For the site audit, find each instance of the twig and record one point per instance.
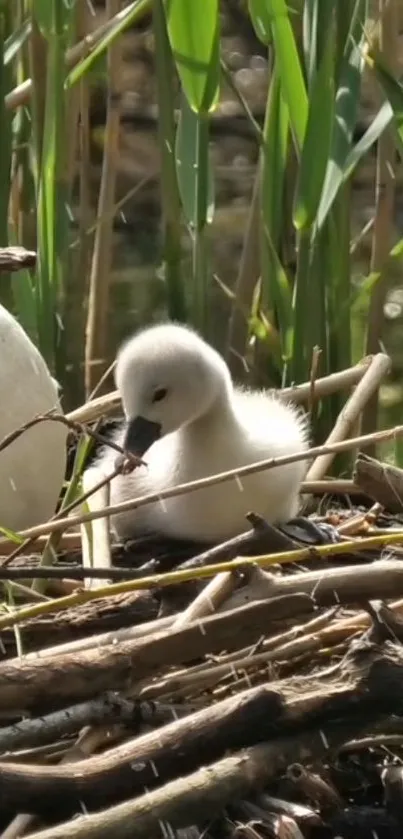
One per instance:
(204, 572)
(113, 637)
(109, 708)
(54, 416)
(210, 789)
(282, 648)
(380, 481)
(192, 486)
(59, 572)
(343, 380)
(379, 367)
(72, 541)
(355, 523)
(13, 259)
(213, 595)
(316, 353)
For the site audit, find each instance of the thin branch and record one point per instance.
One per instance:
(202, 483)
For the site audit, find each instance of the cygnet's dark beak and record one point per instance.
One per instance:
(141, 433)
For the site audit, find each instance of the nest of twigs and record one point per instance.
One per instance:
(251, 689)
(277, 707)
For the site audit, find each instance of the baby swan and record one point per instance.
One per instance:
(185, 416)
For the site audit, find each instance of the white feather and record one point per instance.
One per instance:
(32, 467)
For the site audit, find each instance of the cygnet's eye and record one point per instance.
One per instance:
(159, 394)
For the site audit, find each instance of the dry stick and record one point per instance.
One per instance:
(369, 384)
(175, 577)
(197, 737)
(341, 629)
(208, 790)
(182, 489)
(28, 733)
(213, 595)
(18, 826)
(151, 627)
(224, 680)
(74, 574)
(287, 645)
(54, 416)
(15, 258)
(102, 380)
(96, 487)
(79, 751)
(299, 394)
(50, 682)
(239, 721)
(354, 523)
(177, 687)
(380, 481)
(312, 379)
(72, 541)
(113, 637)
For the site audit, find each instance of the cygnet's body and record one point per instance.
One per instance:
(32, 467)
(176, 386)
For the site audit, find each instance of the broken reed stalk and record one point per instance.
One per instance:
(189, 574)
(379, 367)
(299, 394)
(72, 541)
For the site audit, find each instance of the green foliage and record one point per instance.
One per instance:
(52, 18)
(193, 30)
(316, 147)
(276, 286)
(5, 137)
(129, 16)
(307, 158)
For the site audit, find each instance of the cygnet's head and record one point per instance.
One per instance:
(167, 377)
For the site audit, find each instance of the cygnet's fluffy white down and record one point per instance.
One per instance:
(242, 428)
(32, 467)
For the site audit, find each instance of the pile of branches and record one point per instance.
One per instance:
(258, 705)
